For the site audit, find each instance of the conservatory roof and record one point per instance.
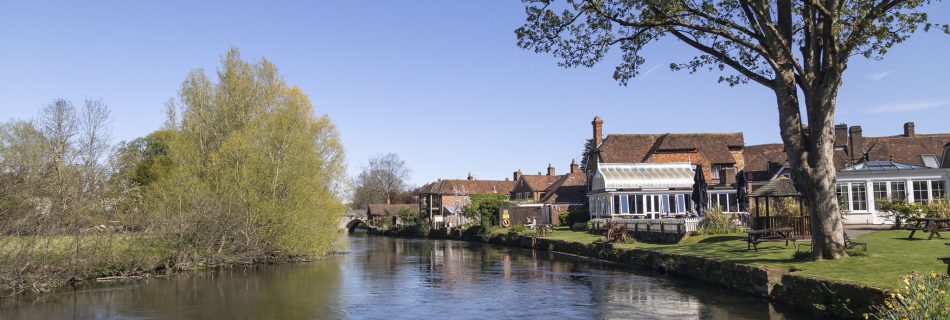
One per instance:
(643, 176)
(882, 166)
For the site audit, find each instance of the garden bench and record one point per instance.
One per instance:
(932, 225)
(946, 260)
(770, 235)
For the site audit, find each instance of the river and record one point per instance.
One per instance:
(394, 278)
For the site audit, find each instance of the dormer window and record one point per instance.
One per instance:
(929, 160)
(715, 171)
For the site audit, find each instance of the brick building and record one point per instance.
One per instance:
(442, 201)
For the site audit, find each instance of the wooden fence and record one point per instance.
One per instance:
(801, 227)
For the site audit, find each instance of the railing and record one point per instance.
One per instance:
(801, 227)
(683, 225)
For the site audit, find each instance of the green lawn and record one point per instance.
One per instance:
(891, 255)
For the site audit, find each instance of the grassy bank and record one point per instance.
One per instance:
(890, 255)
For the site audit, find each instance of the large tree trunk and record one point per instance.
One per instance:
(811, 158)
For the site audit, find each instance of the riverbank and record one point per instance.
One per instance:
(821, 297)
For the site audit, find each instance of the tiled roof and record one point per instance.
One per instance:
(570, 188)
(466, 187)
(390, 209)
(539, 182)
(634, 148)
(906, 149)
(777, 188)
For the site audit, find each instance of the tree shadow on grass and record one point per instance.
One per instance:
(721, 239)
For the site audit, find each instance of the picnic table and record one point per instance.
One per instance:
(770, 235)
(932, 225)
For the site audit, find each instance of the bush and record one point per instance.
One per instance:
(519, 229)
(716, 222)
(937, 209)
(580, 226)
(898, 210)
(920, 297)
(484, 208)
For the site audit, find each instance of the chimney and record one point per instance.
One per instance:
(909, 129)
(598, 124)
(857, 144)
(517, 175)
(841, 136)
(727, 176)
(550, 170)
(575, 168)
(470, 177)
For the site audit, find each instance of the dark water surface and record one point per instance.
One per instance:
(387, 278)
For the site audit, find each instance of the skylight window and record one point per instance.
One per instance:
(929, 160)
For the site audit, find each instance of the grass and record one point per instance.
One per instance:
(891, 255)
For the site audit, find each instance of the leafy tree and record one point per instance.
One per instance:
(793, 48)
(254, 169)
(484, 207)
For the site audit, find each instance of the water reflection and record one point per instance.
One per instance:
(386, 278)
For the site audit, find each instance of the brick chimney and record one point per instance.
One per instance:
(550, 170)
(575, 168)
(909, 129)
(841, 136)
(727, 176)
(517, 175)
(470, 177)
(598, 124)
(857, 144)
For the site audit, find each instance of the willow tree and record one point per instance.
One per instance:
(797, 49)
(254, 169)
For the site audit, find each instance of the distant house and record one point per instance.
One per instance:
(532, 188)
(388, 213)
(719, 155)
(910, 166)
(443, 201)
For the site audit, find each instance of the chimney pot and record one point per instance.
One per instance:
(470, 176)
(909, 129)
(575, 168)
(856, 149)
(841, 135)
(598, 124)
(517, 175)
(550, 170)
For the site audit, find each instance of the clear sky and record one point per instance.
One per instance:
(441, 83)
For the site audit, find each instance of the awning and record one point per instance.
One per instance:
(643, 176)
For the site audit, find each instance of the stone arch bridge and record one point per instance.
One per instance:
(352, 219)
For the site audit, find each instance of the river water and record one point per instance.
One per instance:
(393, 278)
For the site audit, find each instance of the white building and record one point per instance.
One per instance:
(646, 190)
(862, 185)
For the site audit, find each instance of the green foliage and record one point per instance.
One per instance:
(580, 226)
(484, 207)
(576, 215)
(519, 229)
(898, 210)
(409, 217)
(254, 170)
(716, 222)
(937, 209)
(921, 296)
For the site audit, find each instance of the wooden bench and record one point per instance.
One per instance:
(769, 235)
(946, 260)
(932, 225)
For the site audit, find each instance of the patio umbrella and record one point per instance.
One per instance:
(742, 192)
(700, 195)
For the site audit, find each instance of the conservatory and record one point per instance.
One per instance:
(861, 186)
(641, 190)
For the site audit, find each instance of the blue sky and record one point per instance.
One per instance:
(441, 83)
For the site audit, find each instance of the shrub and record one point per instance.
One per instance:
(716, 222)
(920, 297)
(484, 208)
(518, 228)
(898, 210)
(574, 216)
(580, 226)
(937, 209)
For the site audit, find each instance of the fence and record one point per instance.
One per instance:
(801, 226)
(684, 225)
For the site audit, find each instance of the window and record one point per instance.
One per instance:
(859, 197)
(938, 190)
(665, 204)
(921, 191)
(843, 196)
(724, 201)
(879, 190)
(898, 190)
(624, 204)
(617, 205)
(929, 160)
(681, 203)
(641, 206)
(715, 171)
